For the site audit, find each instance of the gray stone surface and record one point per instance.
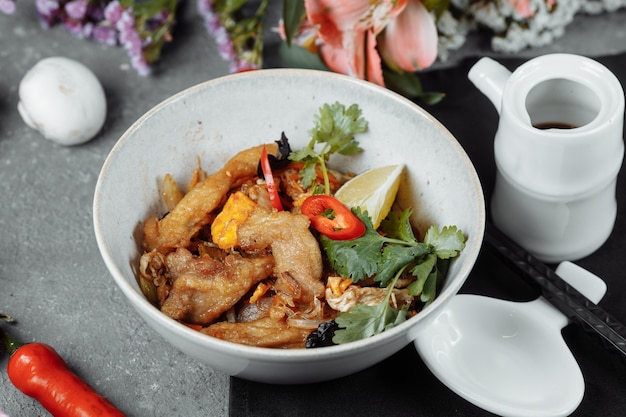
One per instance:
(52, 278)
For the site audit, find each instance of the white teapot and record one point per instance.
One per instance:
(558, 149)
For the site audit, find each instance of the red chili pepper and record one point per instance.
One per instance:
(38, 371)
(269, 181)
(332, 218)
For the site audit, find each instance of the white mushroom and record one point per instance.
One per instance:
(63, 100)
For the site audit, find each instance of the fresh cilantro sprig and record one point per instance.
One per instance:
(383, 254)
(364, 320)
(386, 256)
(333, 132)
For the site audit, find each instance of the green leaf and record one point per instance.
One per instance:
(296, 56)
(403, 82)
(396, 257)
(408, 84)
(228, 6)
(431, 270)
(425, 267)
(422, 271)
(429, 292)
(303, 154)
(363, 321)
(148, 9)
(293, 11)
(398, 227)
(430, 98)
(334, 130)
(447, 243)
(443, 265)
(357, 258)
(308, 173)
(336, 126)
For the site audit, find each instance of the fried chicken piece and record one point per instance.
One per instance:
(296, 252)
(193, 212)
(264, 332)
(202, 288)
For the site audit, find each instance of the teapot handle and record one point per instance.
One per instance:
(490, 77)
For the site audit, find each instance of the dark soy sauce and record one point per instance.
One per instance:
(554, 125)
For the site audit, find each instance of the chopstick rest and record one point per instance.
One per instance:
(559, 293)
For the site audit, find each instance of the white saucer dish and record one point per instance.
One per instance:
(509, 357)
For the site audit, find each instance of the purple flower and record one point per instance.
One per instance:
(79, 29)
(217, 30)
(227, 49)
(48, 11)
(224, 43)
(129, 37)
(211, 19)
(140, 64)
(113, 12)
(95, 12)
(105, 35)
(76, 9)
(7, 7)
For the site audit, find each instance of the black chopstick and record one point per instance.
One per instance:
(559, 293)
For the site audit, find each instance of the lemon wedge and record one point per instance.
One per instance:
(374, 190)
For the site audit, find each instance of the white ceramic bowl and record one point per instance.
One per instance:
(218, 118)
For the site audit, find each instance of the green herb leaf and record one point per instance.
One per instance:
(386, 258)
(431, 275)
(357, 258)
(429, 292)
(398, 227)
(363, 321)
(396, 257)
(447, 243)
(422, 271)
(336, 126)
(333, 132)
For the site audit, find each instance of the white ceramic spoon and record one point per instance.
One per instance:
(507, 357)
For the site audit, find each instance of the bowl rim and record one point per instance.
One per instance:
(144, 307)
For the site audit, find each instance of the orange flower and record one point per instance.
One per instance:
(358, 58)
(409, 41)
(349, 32)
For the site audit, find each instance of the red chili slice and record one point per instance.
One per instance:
(332, 218)
(269, 181)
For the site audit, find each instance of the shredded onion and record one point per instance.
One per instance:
(303, 323)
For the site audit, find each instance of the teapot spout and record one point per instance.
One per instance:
(490, 77)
